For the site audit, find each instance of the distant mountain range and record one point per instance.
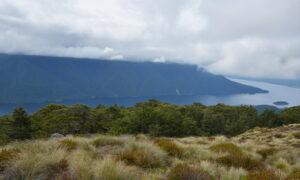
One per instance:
(33, 79)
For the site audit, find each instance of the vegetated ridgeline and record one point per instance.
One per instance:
(258, 154)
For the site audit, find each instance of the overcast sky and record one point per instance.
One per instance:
(252, 38)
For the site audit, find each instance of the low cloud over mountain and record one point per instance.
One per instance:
(254, 38)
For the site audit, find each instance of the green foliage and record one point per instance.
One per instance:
(154, 118)
(21, 124)
(240, 161)
(185, 172)
(269, 118)
(6, 129)
(76, 119)
(291, 115)
(171, 148)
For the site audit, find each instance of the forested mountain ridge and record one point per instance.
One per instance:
(29, 79)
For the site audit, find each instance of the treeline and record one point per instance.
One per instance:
(154, 118)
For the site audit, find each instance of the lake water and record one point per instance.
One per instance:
(276, 93)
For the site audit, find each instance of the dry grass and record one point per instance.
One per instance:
(256, 154)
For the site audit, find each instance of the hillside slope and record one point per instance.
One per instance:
(28, 79)
(259, 154)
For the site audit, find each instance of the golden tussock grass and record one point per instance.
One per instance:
(256, 154)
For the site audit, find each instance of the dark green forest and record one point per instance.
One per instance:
(153, 118)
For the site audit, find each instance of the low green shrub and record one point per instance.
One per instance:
(171, 148)
(226, 148)
(262, 175)
(185, 172)
(267, 152)
(240, 161)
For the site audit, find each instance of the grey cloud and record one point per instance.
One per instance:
(229, 37)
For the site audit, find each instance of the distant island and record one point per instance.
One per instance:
(281, 103)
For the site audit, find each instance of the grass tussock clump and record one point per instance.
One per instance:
(222, 172)
(185, 172)
(109, 169)
(240, 161)
(279, 135)
(171, 148)
(297, 135)
(6, 155)
(55, 169)
(294, 175)
(226, 148)
(145, 155)
(69, 144)
(267, 152)
(282, 165)
(107, 141)
(66, 175)
(262, 175)
(33, 166)
(81, 164)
